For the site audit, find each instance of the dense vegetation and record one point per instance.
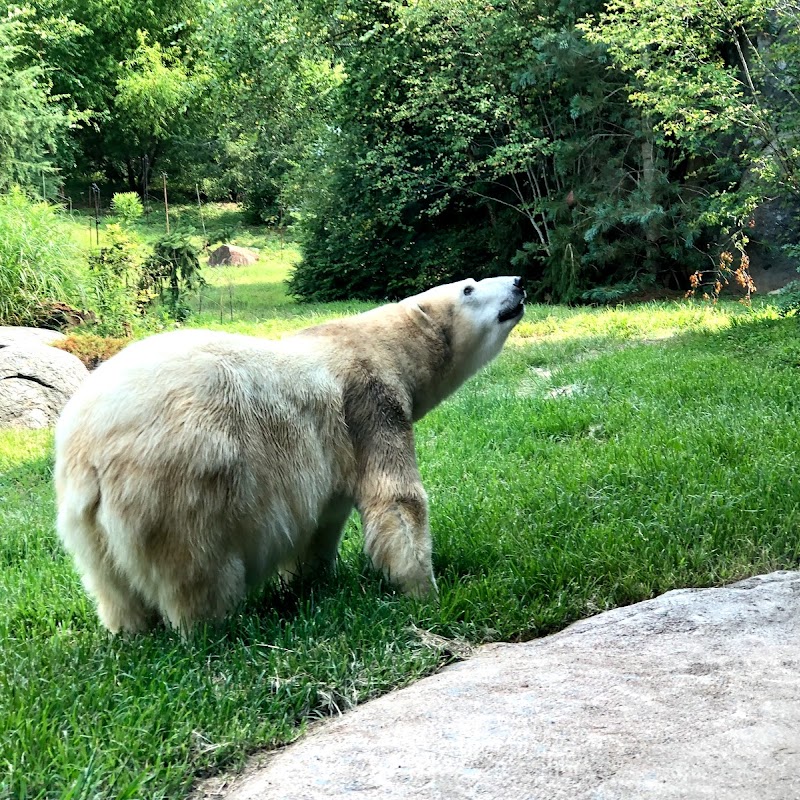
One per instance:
(597, 147)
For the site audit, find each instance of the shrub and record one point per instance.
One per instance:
(127, 206)
(91, 349)
(116, 270)
(788, 300)
(174, 267)
(39, 260)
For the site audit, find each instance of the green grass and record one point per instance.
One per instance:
(605, 457)
(252, 299)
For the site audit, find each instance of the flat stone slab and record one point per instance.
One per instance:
(695, 695)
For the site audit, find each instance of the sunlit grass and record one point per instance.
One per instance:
(253, 299)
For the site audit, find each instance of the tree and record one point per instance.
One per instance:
(468, 132)
(32, 124)
(89, 46)
(154, 92)
(606, 147)
(269, 91)
(717, 80)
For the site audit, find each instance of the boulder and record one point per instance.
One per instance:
(228, 254)
(13, 335)
(692, 696)
(35, 383)
(60, 316)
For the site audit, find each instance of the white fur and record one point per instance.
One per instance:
(194, 465)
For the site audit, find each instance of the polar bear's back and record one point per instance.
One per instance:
(189, 447)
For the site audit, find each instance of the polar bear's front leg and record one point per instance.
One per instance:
(388, 489)
(398, 540)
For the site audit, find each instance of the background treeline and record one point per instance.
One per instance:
(595, 147)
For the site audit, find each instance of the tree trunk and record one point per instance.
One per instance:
(131, 176)
(648, 184)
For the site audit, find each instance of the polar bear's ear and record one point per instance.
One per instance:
(420, 313)
(418, 310)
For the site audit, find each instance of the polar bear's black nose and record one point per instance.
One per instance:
(518, 283)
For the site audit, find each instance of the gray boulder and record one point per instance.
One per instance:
(228, 254)
(35, 383)
(693, 695)
(14, 335)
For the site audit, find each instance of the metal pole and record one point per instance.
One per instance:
(166, 204)
(200, 208)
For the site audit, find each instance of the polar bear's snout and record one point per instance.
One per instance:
(514, 306)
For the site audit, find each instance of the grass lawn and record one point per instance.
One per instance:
(605, 457)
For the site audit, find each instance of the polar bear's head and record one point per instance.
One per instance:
(474, 317)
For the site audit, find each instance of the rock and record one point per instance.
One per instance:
(59, 316)
(12, 335)
(228, 254)
(695, 694)
(35, 383)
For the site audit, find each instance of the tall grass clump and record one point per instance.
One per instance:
(39, 260)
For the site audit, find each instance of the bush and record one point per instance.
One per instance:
(92, 350)
(116, 269)
(39, 260)
(788, 300)
(174, 267)
(127, 206)
(351, 251)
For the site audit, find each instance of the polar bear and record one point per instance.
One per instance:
(194, 465)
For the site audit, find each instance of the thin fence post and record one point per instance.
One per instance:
(95, 192)
(166, 203)
(200, 209)
(146, 183)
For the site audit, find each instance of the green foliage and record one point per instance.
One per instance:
(153, 94)
(587, 149)
(586, 145)
(112, 62)
(31, 123)
(115, 270)
(713, 70)
(172, 272)
(788, 301)
(507, 128)
(127, 206)
(39, 261)
(614, 292)
(268, 102)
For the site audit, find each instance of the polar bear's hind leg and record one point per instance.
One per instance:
(209, 596)
(120, 606)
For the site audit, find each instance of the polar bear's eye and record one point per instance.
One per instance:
(469, 289)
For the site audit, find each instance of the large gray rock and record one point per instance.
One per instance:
(35, 383)
(228, 254)
(695, 694)
(18, 335)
